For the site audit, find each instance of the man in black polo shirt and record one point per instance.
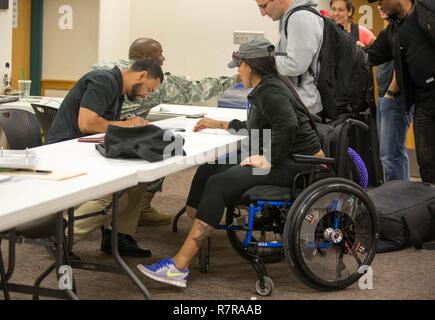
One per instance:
(92, 105)
(410, 41)
(97, 98)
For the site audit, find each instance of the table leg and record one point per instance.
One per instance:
(177, 217)
(60, 251)
(11, 253)
(116, 254)
(3, 278)
(70, 229)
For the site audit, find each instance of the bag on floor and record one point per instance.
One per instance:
(406, 213)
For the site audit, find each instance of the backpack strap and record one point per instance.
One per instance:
(297, 102)
(312, 73)
(354, 32)
(306, 8)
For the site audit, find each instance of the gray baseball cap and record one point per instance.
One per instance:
(258, 47)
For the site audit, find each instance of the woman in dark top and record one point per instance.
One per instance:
(275, 111)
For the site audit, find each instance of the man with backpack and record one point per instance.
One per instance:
(301, 40)
(409, 40)
(329, 70)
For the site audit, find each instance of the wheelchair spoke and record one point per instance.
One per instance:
(341, 266)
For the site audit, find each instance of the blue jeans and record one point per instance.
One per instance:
(393, 124)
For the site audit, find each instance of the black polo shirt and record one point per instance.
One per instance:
(99, 91)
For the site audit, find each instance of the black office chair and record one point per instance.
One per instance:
(21, 128)
(45, 115)
(23, 131)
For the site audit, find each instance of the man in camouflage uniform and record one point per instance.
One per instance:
(173, 90)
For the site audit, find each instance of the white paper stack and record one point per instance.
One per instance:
(18, 159)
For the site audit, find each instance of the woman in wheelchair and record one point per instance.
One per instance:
(273, 105)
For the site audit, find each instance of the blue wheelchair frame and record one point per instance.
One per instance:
(335, 166)
(261, 205)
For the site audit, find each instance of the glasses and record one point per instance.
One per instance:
(237, 58)
(264, 5)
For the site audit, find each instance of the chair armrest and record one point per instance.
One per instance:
(313, 160)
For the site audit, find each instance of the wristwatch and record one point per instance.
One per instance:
(393, 94)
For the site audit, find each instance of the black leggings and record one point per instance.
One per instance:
(215, 187)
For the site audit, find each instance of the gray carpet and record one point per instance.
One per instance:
(408, 274)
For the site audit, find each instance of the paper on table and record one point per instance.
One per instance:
(5, 178)
(215, 131)
(58, 175)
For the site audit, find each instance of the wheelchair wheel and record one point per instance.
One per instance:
(331, 235)
(236, 238)
(268, 288)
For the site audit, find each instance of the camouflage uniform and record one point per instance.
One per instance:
(174, 90)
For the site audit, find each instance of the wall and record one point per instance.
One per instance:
(5, 37)
(197, 35)
(69, 53)
(114, 29)
(324, 4)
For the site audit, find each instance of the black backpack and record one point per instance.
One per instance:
(345, 80)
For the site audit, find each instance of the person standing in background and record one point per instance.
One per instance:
(301, 38)
(409, 40)
(342, 12)
(393, 123)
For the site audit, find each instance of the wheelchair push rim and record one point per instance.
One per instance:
(331, 234)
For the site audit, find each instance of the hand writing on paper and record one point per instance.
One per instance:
(136, 122)
(259, 162)
(207, 123)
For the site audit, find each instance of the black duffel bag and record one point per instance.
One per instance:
(406, 213)
(149, 143)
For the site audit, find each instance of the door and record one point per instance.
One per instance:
(21, 36)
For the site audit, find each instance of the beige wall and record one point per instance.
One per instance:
(197, 35)
(114, 36)
(68, 54)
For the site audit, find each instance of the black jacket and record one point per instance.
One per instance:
(387, 47)
(273, 107)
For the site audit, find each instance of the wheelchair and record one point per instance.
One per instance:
(323, 224)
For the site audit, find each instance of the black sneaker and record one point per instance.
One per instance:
(127, 246)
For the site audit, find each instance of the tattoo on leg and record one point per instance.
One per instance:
(205, 231)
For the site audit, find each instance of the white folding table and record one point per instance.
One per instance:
(25, 200)
(21, 105)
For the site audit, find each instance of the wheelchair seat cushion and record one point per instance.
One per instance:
(266, 193)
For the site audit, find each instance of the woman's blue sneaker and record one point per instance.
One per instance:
(165, 271)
